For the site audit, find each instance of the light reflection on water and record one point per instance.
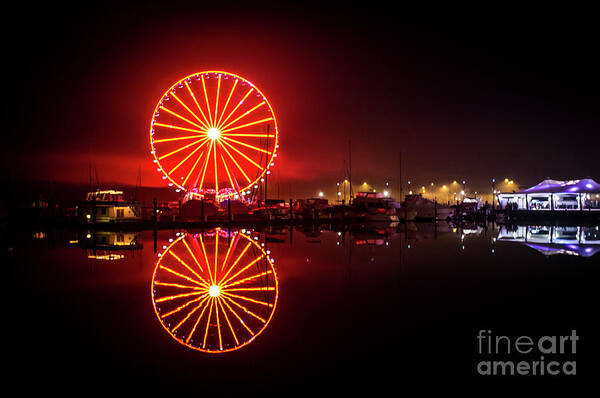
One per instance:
(346, 298)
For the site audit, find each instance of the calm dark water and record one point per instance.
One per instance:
(365, 307)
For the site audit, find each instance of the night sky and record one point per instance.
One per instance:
(464, 94)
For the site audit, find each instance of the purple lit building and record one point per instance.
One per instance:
(549, 240)
(553, 195)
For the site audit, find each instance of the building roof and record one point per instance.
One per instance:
(584, 185)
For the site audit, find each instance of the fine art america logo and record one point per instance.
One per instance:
(527, 356)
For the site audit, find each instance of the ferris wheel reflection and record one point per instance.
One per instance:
(216, 291)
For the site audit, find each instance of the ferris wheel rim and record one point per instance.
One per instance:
(153, 150)
(271, 266)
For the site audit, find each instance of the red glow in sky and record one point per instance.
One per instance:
(455, 108)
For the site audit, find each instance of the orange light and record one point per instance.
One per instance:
(207, 104)
(243, 115)
(212, 119)
(206, 123)
(227, 102)
(229, 318)
(181, 117)
(242, 154)
(247, 124)
(236, 107)
(189, 110)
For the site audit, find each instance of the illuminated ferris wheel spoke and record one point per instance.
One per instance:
(187, 317)
(177, 296)
(227, 102)
(235, 108)
(182, 276)
(221, 149)
(182, 148)
(230, 250)
(256, 135)
(233, 186)
(217, 99)
(212, 280)
(178, 285)
(228, 316)
(181, 117)
(193, 168)
(250, 289)
(235, 263)
(216, 170)
(250, 264)
(247, 125)
(238, 317)
(239, 282)
(220, 303)
(170, 126)
(246, 310)
(207, 104)
(189, 110)
(212, 300)
(248, 145)
(193, 255)
(205, 165)
(187, 157)
(187, 340)
(206, 123)
(218, 322)
(236, 163)
(216, 253)
(189, 137)
(206, 284)
(242, 154)
(243, 115)
(187, 304)
(231, 295)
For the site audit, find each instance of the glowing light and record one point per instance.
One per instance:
(213, 133)
(226, 314)
(320, 194)
(186, 161)
(214, 291)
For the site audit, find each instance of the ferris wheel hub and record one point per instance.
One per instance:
(214, 291)
(213, 133)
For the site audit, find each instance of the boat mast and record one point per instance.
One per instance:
(400, 171)
(350, 168)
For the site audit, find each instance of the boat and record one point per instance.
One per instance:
(311, 208)
(375, 206)
(108, 206)
(425, 209)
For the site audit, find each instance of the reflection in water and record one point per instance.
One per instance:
(549, 240)
(214, 292)
(108, 245)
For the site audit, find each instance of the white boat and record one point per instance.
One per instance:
(426, 208)
(376, 206)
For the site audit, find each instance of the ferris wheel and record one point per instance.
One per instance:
(215, 133)
(214, 292)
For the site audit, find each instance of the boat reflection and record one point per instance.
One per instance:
(108, 245)
(549, 240)
(214, 291)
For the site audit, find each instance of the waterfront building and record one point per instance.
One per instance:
(548, 239)
(554, 195)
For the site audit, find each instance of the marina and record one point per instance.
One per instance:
(323, 199)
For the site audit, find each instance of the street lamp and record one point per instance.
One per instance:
(493, 193)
